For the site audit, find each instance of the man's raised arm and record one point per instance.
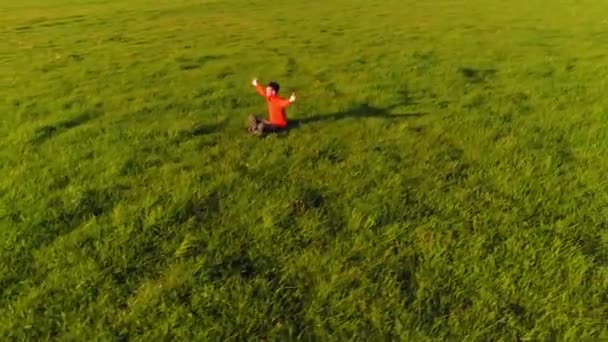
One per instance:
(290, 100)
(258, 87)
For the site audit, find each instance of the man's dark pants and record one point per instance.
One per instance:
(259, 126)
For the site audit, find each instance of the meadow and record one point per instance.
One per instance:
(445, 178)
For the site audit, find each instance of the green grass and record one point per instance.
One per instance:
(447, 180)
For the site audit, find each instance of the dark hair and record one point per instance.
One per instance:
(275, 86)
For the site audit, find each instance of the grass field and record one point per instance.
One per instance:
(446, 180)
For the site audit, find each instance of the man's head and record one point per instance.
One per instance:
(272, 89)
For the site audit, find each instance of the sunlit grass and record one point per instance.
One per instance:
(445, 179)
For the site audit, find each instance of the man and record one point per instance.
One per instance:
(277, 118)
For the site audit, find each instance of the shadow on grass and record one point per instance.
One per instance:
(206, 129)
(200, 129)
(472, 75)
(46, 132)
(361, 111)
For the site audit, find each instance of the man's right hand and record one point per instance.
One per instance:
(255, 82)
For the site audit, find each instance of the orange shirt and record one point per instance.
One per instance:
(276, 107)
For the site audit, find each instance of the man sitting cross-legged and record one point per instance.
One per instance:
(277, 118)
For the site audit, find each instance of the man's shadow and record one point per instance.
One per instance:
(361, 111)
